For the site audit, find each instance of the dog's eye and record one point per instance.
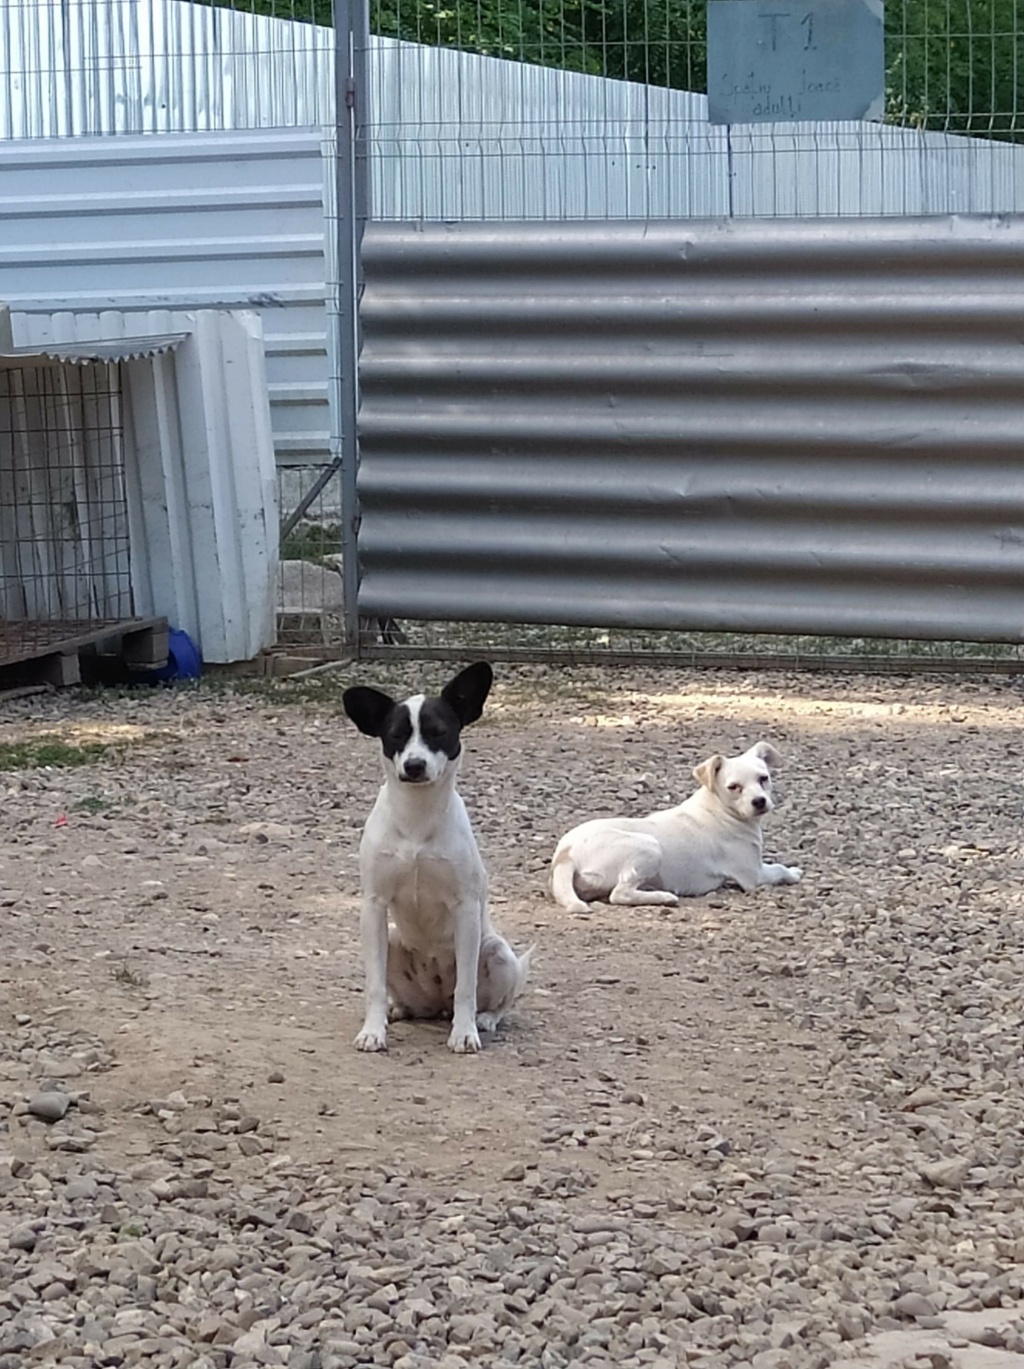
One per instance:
(734, 788)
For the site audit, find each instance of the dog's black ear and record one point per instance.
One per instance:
(367, 708)
(465, 694)
(707, 772)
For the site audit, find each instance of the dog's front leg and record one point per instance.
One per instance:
(771, 873)
(374, 927)
(464, 1038)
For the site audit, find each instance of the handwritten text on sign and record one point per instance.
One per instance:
(773, 62)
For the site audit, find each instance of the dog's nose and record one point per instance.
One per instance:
(760, 803)
(414, 769)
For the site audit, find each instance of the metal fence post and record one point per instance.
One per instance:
(351, 203)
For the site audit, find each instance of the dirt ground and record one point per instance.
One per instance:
(187, 903)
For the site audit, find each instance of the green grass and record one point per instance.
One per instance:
(93, 805)
(48, 750)
(124, 974)
(311, 542)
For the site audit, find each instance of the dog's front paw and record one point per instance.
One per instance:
(372, 1039)
(793, 874)
(464, 1040)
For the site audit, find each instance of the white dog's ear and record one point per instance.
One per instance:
(367, 708)
(707, 772)
(465, 694)
(768, 754)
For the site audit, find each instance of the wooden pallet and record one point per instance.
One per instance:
(40, 652)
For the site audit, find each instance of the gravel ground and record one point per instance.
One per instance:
(782, 1130)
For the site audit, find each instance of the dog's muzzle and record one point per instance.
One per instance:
(413, 772)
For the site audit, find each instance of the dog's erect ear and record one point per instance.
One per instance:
(768, 754)
(465, 694)
(707, 771)
(367, 708)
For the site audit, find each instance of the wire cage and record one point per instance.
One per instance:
(65, 567)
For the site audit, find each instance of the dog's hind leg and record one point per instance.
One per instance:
(643, 869)
(627, 895)
(502, 975)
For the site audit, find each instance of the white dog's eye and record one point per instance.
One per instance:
(734, 788)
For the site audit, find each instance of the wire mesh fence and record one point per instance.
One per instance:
(538, 108)
(310, 602)
(64, 533)
(81, 66)
(572, 645)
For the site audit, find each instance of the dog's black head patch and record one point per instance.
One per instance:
(439, 727)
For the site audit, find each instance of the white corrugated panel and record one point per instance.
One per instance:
(114, 349)
(180, 222)
(202, 493)
(79, 67)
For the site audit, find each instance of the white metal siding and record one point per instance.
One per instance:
(202, 496)
(180, 222)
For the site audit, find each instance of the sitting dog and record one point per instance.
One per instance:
(711, 839)
(428, 944)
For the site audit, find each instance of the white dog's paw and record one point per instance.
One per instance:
(793, 874)
(464, 1040)
(488, 1021)
(370, 1039)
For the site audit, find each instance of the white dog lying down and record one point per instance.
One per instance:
(428, 943)
(712, 839)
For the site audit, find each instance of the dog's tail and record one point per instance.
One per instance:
(563, 876)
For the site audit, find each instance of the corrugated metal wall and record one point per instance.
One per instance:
(787, 426)
(176, 223)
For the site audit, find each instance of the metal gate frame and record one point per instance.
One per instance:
(349, 205)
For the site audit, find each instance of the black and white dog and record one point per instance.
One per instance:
(428, 944)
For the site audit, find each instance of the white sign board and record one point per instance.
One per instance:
(773, 62)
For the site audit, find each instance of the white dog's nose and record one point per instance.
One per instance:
(414, 769)
(759, 804)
